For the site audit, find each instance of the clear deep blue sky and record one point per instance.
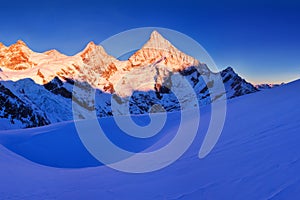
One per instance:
(259, 39)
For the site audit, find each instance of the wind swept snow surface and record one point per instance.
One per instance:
(256, 157)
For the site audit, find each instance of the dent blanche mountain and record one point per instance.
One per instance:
(36, 89)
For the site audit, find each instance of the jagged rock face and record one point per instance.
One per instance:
(20, 112)
(42, 90)
(16, 56)
(236, 84)
(56, 87)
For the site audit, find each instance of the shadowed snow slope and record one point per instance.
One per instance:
(257, 157)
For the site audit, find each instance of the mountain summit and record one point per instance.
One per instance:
(16, 57)
(157, 41)
(160, 50)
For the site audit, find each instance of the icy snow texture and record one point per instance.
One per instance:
(257, 157)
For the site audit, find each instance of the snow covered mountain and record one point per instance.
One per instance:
(42, 83)
(267, 86)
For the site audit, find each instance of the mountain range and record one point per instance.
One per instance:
(267, 86)
(36, 89)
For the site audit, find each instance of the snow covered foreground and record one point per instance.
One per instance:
(257, 157)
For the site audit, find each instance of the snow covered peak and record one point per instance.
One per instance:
(157, 41)
(21, 43)
(53, 52)
(155, 33)
(267, 86)
(237, 86)
(19, 46)
(229, 69)
(159, 50)
(95, 56)
(91, 49)
(16, 56)
(91, 44)
(2, 45)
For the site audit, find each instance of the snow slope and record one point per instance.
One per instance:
(257, 157)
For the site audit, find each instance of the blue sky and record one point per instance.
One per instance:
(260, 40)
